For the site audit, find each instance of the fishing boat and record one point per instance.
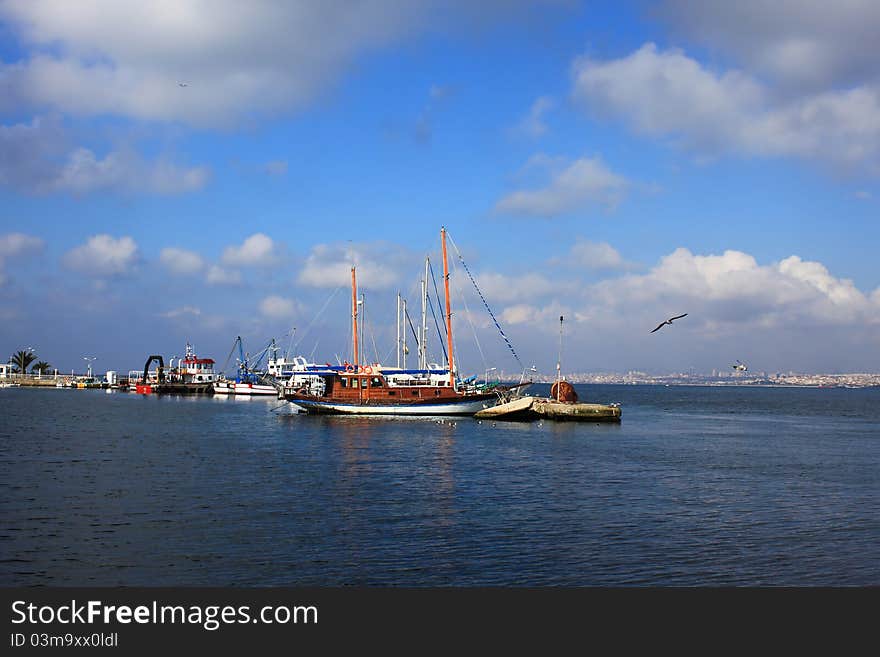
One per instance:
(238, 386)
(247, 380)
(191, 375)
(358, 388)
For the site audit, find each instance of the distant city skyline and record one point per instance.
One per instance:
(198, 171)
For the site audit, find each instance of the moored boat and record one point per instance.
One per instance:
(371, 389)
(191, 375)
(247, 381)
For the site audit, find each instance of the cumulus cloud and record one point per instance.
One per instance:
(535, 315)
(18, 244)
(181, 261)
(732, 289)
(593, 255)
(504, 288)
(379, 265)
(668, 94)
(520, 313)
(793, 313)
(126, 58)
(104, 256)
(808, 45)
(277, 307)
(218, 275)
(256, 250)
(584, 182)
(125, 171)
(36, 158)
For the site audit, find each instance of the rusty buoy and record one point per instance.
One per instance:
(565, 391)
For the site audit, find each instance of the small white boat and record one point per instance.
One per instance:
(226, 387)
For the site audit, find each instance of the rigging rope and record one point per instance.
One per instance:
(485, 303)
(470, 321)
(434, 315)
(315, 319)
(229, 357)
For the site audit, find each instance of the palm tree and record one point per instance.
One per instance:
(41, 367)
(21, 360)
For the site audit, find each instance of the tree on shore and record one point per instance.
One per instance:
(21, 360)
(42, 367)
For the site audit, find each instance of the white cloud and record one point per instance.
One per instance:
(668, 94)
(520, 313)
(379, 265)
(126, 171)
(104, 256)
(185, 311)
(181, 261)
(533, 124)
(504, 288)
(36, 158)
(256, 250)
(789, 314)
(807, 45)
(218, 275)
(18, 244)
(732, 289)
(593, 255)
(278, 307)
(238, 60)
(583, 182)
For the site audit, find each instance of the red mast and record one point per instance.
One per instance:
(354, 317)
(448, 309)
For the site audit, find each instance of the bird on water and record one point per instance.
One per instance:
(669, 321)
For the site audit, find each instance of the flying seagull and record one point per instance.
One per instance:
(669, 321)
(182, 84)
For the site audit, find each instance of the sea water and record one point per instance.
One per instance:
(696, 486)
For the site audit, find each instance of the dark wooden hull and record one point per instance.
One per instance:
(457, 405)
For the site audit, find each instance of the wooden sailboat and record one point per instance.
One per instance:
(365, 389)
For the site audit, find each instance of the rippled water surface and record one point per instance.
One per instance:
(696, 486)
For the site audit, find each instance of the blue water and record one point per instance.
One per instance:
(696, 486)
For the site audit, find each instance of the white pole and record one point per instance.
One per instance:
(404, 335)
(559, 360)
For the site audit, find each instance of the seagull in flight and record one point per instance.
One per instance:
(182, 84)
(669, 321)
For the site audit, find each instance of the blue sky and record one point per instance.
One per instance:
(616, 163)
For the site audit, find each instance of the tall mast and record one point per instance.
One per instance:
(559, 361)
(354, 317)
(398, 330)
(448, 310)
(423, 343)
(404, 335)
